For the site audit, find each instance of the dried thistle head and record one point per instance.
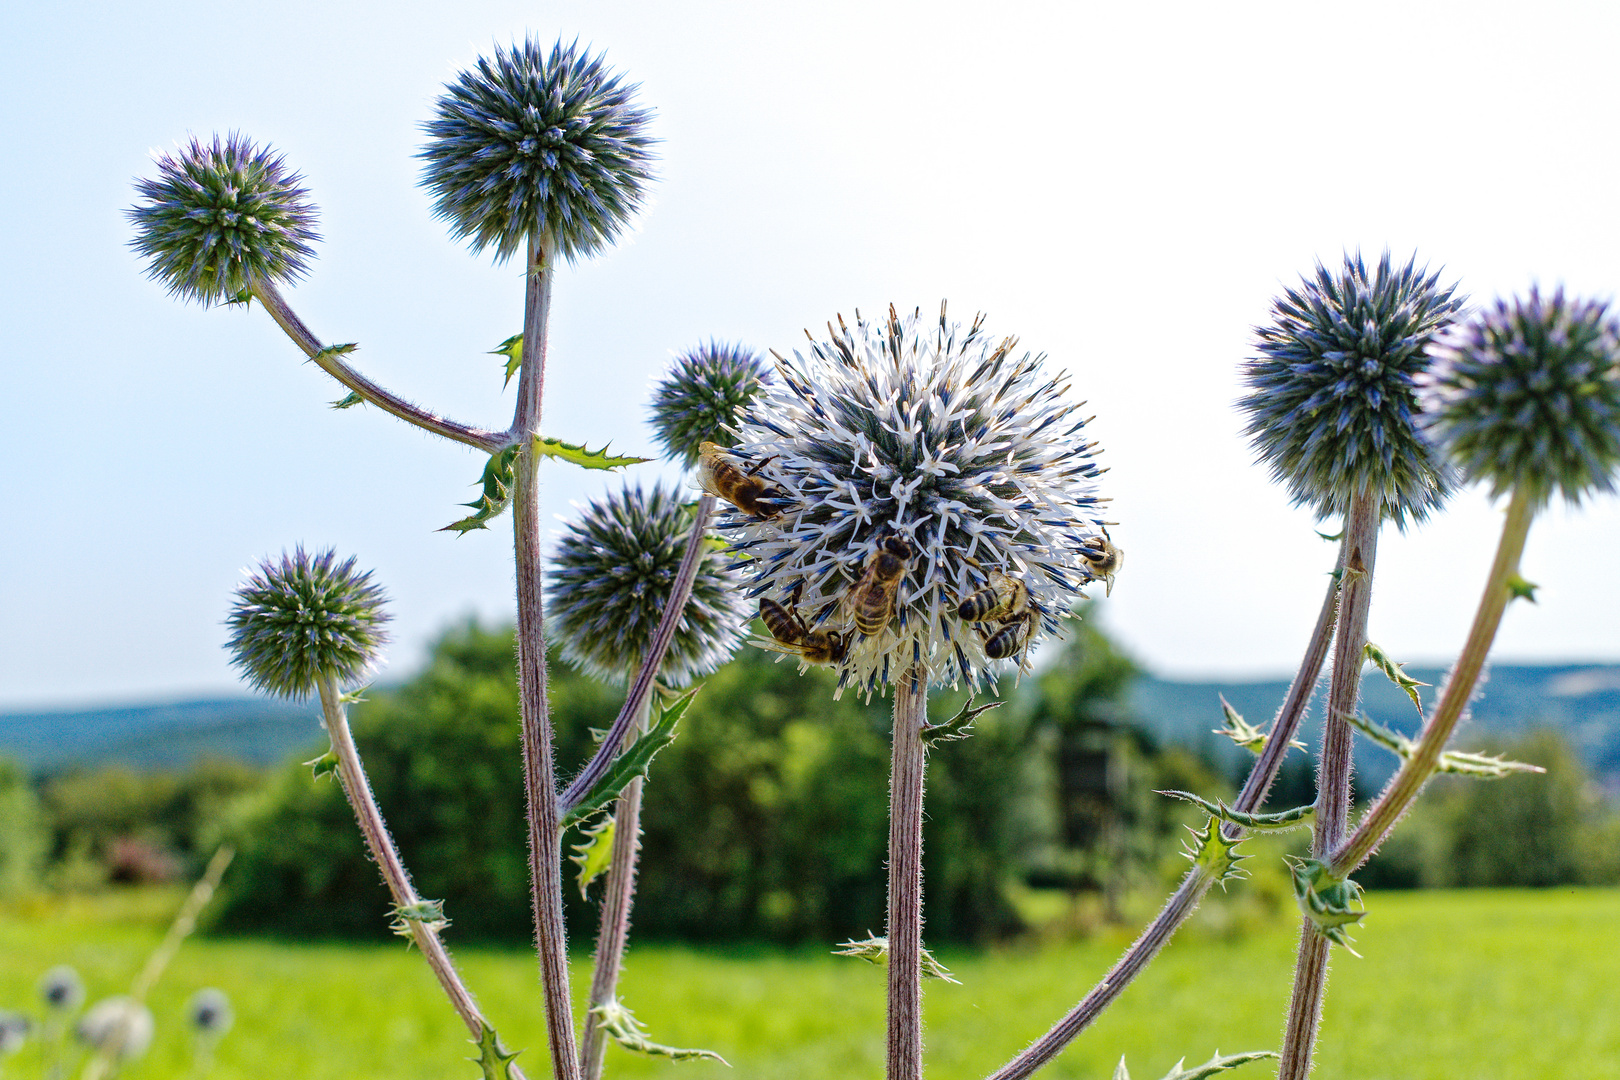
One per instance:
(703, 396)
(120, 1027)
(1527, 393)
(921, 464)
(535, 142)
(220, 216)
(304, 619)
(1332, 396)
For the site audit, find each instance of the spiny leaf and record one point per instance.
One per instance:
(875, 950)
(1214, 1065)
(325, 765)
(336, 350)
(348, 401)
(355, 696)
(497, 479)
(1240, 731)
(1325, 900)
(959, 726)
(1462, 762)
(512, 349)
(594, 852)
(1390, 668)
(1332, 538)
(620, 1025)
(1214, 853)
(589, 459)
(630, 763)
(1522, 589)
(493, 1058)
(1296, 818)
(429, 913)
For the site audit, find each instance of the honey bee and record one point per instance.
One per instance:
(1009, 638)
(1105, 563)
(747, 491)
(788, 627)
(871, 600)
(1002, 597)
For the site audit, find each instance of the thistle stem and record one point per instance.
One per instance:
(539, 777)
(905, 878)
(334, 365)
(1333, 780)
(380, 842)
(617, 898)
(1197, 882)
(641, 687)
(1404, 787)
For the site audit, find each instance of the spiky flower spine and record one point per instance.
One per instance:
(528, 142)
(1527, 393)
(61, 989)
(303, 619)
(611, 576)
(120, 1026)
(1332, 398)
(913, 427)
(220, 216)
(703, 397)
(209, 1013)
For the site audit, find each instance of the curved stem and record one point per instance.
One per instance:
(1333, 780)
(381, 844)
(906, 771)
(635, 702)
(539, 777)
(617, 897)
(334, 365)
(1197, 882)
(1404, 787)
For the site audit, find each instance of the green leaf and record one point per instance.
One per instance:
(497, 479)
(1462, 762)
(875, 950)
(1393, 670)
(512, 349)
(1325, 900)
(1214, 854)
(428, 913)
(325, 765)
(1242, 732)
(959, 726)
(1332, 538)
(1281, 821)
(630, 763)
(620, 1025)
(588, 459)
(335, 351)
(1214, 1065)
(493, 1058)
(349, 401)
(593, 853)
(1521, 589)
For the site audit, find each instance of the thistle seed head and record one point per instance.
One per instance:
(530, 142)
(1332, 405)
(220, 216)
(703, 396)
(303, 619)
(611, 577)
(209, 1013)
(1527, 393)
(921, 464)
(119, 1026)
(61, 989)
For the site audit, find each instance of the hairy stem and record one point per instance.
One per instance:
(1404, 787)
(539, 777)
(906, 770)
(1333, 779)
(617, 897)
(380, 842)
(641, 687)
(335, 366)
(1197, 882)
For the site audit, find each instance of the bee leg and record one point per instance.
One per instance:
(755, 470)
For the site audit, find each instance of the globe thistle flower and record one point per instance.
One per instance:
(118, 1026)
(611, 576)
(61, 989)
(220, 216)
(1332, 405)
(703, 396)
(914, 436)
(209, 1013)
(14, 1029)
(1527, 393)
(533, 143)
(305, 619)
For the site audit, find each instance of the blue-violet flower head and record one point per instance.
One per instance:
(61, 989)
(703, 397)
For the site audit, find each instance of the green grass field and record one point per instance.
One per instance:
(1474, 985)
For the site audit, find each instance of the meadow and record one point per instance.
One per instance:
(1480, 984)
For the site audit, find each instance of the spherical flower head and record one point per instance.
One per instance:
(530, 142)
(703, 397)
(1332, 402)
(14, 1029)
(304, 619)
(220, 216)
(61, 989)
(209, 1013)
(119, 1026)
(1527, 394)
(916, 436)
(613, 573)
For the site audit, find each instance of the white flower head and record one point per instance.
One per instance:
(968, 454)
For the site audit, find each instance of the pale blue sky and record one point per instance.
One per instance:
(1123, 186)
